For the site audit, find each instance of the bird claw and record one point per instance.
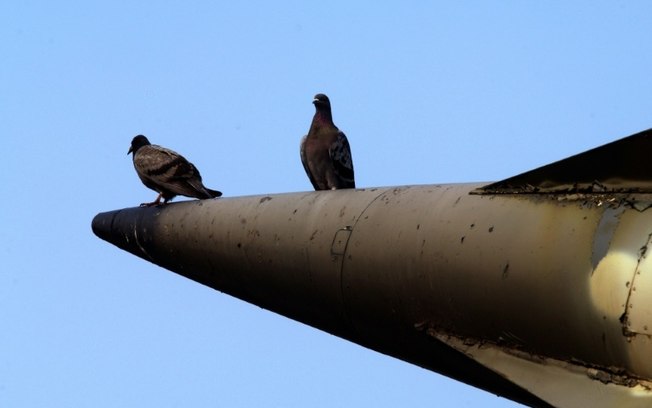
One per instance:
(152, 204)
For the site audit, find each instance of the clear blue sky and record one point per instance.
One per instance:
(427, 93)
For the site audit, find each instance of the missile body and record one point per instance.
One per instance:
(543, 298)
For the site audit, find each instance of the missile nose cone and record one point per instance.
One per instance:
(102, 224)
(127, 229)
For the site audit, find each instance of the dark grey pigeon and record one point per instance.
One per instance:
(167, 172)
(325, 151)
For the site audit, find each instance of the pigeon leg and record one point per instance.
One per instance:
(155, 202)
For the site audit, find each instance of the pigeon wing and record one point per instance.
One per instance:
(168, 171)
(340, 154)
(186, 180)
(304, 161)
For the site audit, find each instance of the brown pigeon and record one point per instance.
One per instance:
(166, 172)
(325, 151)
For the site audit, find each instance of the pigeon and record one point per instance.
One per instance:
(167, 172)
(325, 150)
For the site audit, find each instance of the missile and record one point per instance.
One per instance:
(537, 288)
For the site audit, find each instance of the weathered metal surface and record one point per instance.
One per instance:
(400, 269)
(544, 297)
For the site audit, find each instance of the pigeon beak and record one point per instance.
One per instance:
(315, 100)
(131, 149)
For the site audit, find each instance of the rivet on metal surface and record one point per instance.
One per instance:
(636, 316)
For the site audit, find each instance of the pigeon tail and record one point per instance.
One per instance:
(214, 193)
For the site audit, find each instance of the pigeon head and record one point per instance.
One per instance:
(321, 101)
(138, 142)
